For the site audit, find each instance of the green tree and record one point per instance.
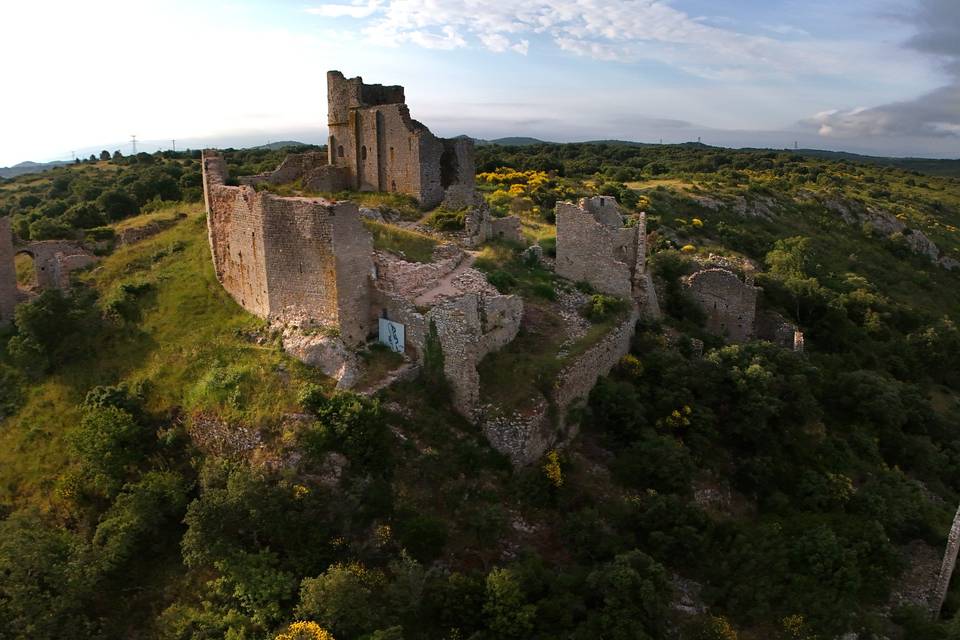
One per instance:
(507, 613)
(108, 444)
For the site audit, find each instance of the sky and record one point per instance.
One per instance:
(870, 76)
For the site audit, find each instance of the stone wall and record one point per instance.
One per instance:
(381, 148)
(8, 274)
(410, 279)
(593, 245)
(729, 303)
(524, 438)
(54, 260)
(311, 169)
(301, 258)
(469, 325)
(946, 569)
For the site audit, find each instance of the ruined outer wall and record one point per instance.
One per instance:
(299, 265)
(525, 438)
(235, 230)
(729, 304)
(8, 274)
(591, 251)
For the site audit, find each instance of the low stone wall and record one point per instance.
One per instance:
(524, 438)
(410, 279)
(137, 234)
(506, 229)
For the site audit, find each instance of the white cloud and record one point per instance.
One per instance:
(612, 30)
(355, 10)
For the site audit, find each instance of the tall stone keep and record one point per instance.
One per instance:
(8, 274)
(382, 148)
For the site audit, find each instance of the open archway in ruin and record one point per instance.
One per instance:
(26, 267)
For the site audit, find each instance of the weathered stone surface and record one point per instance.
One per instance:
(524, 438)
(381, 148)
(327, 353)
(939, 593)
(133, 235)
(281, 257)
(8, 274)
(593, 245)
(729, 303)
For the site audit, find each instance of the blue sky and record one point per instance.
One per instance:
(875, 76)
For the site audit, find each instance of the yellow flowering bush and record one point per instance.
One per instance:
(696, 222)
(688, 248)
(677, 419)
(303, 630)
(552, 469)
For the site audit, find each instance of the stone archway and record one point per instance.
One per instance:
(25, 265)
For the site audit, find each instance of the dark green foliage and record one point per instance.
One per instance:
(11, 390)
(502, 280)
(108, 445)
(423, 536)
(50, 328)
(628, 598)
(432, 370)
(117, 204)
(348, 423)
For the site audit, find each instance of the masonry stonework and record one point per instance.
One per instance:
(381, 148)
(729, 303)
(302, 259)
(8, 274)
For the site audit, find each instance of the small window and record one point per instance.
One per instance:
(340, 151)
(393, 185)
(363, 152)
(391, 154)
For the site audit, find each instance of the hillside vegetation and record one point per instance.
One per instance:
(166, 471)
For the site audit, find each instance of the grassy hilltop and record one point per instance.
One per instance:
(166, 471)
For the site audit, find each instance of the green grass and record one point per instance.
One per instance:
(446, 220)
(378, 361)
(409, 245)
(191, 351)
(404, 206)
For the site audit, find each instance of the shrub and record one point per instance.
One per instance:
(423, 536)
(603, 307)
(502, 280)
(445, 220)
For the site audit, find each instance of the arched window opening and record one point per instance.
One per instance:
(363, 152)
(340, 151)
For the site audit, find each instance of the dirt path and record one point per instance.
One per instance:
(445, 286)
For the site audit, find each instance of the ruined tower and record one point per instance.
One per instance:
(373, 137)
(8, 274)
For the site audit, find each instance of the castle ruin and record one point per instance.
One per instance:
(729, 303)
(379, 147)
(595, 246)
(8, 274)
(53, 261)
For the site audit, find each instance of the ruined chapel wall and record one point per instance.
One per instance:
(8, 274)
(729, 303)
(590, 251)
(389, 150)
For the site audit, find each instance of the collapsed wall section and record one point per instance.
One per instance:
(729, 303)
(8, 274)
(593, 246)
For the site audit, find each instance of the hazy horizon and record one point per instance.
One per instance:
(870, 77)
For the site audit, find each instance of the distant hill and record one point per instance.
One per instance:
(921, 165)
(29, 167)
(282, 144)
(515, 141)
